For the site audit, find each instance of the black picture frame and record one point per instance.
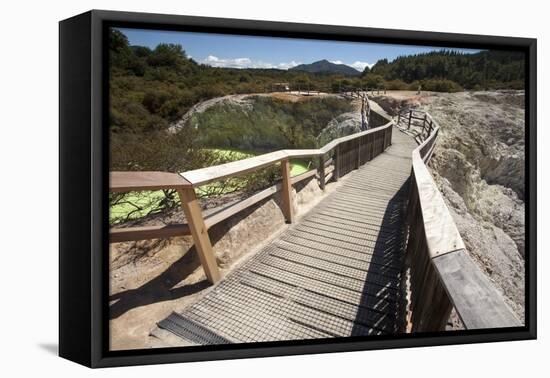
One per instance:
(83, 182)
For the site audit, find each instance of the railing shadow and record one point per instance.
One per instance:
(161, 288)
(381, 305)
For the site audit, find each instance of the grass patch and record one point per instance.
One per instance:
(299, 166)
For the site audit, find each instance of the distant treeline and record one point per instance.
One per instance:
(451, 71)
(152, 87)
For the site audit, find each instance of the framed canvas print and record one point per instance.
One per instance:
(234, 188)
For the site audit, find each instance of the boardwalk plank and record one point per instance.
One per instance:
(335, 273)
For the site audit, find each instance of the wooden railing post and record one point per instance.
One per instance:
(336, 174)
(363, 112)
(286, 193)
(321, 171)
(358, 152)
(424, 125)
(193, 214)
(410, 119)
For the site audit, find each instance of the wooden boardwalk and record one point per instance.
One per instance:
(337, 272)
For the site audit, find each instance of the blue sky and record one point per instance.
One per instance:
(268, 52)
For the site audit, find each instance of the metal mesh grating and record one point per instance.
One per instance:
(336, 273)
(191, 331)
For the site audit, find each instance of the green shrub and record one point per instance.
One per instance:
(371, 80)
(155, 99)
(437, 85)
(396, 85)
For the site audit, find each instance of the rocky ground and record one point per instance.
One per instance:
(479, 165)
(244, 101)
(342, 125)
(240, 99)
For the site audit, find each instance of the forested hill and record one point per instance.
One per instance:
(152, 87)
(485, 69)
(326, 67)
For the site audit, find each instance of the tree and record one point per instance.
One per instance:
(380, 68)
(167, 55)
(303, 82)
(120, 53)
(466, 70)
(373, 81)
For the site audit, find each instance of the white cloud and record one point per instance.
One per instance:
(360, 66)
(211, 58)
(215, 61)
(286, 66)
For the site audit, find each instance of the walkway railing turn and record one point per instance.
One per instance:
(442, 274)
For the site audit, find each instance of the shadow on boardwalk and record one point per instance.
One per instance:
(384, 274)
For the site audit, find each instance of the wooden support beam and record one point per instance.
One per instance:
(286, 193)
(119, 235)
(322, 172)
(336, 174)
(193, 214)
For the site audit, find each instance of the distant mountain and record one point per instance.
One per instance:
(326, 67)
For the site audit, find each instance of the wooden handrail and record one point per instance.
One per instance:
(443, 275)
(441, 232)
(350, 152)
(206, 175)
(211, 216)
(133, 181)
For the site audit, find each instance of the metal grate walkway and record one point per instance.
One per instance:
(335, 273)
